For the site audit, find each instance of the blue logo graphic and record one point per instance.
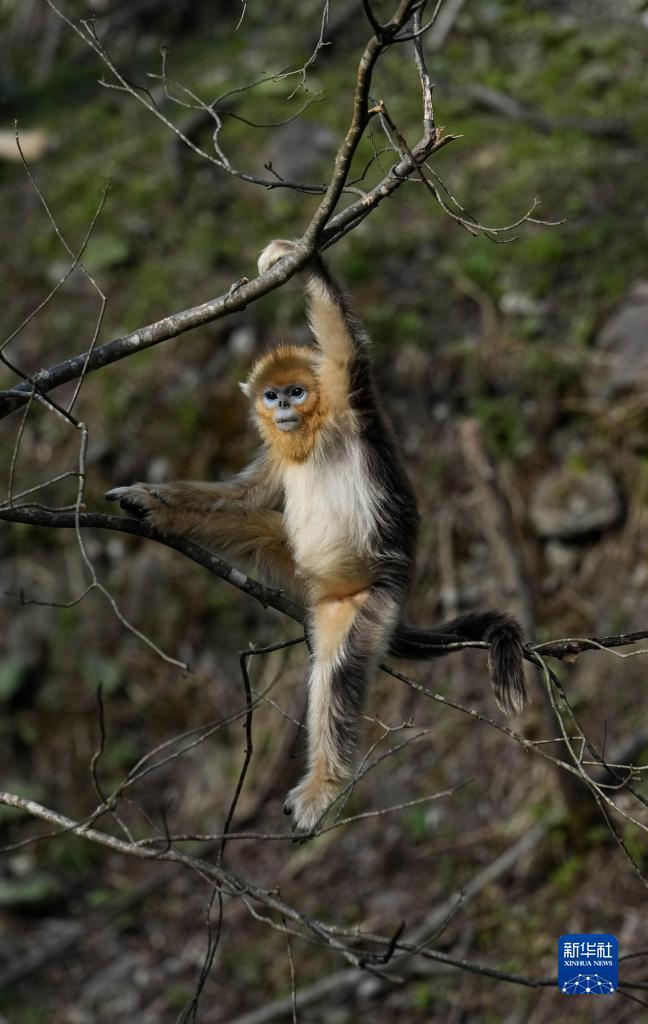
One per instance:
(588, 965)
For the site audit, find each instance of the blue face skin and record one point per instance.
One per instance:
(284, 403)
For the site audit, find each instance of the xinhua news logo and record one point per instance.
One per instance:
(588, 965)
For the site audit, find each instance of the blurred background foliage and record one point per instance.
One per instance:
(541, 341)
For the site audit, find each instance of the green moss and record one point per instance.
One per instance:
(502, 423)
(416, 823)
(71, 855)
(13, 673)
(98, 670)
(422, 997)
(568, 875)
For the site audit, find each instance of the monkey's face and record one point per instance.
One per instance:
(284, 389)
(285, 403)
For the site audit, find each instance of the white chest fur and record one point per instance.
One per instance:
(330, 509)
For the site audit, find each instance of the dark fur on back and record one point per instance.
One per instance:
(398, 536)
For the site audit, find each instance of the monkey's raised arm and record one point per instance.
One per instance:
(337, 329)
(345, 372)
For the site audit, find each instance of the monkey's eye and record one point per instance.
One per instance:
(296, 392)
(270, 396)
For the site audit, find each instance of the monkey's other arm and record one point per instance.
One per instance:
(198, 510)
(225, 517)
(168, 505)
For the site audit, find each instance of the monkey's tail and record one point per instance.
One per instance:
(505, 653)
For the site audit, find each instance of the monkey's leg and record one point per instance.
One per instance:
(255, 536)
(349, 636)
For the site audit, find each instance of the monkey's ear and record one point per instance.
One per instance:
(245, 388)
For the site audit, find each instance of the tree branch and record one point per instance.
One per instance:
(269, 598)
(429, 642)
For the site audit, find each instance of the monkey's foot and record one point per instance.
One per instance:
(308, 801)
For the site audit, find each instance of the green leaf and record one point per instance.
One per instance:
(13, 672)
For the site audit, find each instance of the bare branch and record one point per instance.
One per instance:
(359, 120)
(427, 639)
(68, 520)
